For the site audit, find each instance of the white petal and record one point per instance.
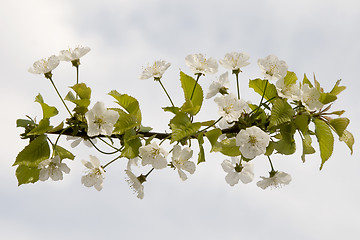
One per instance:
(227, 166)
(232, 178)
(189, 167)
(44, 174)
(182, 174)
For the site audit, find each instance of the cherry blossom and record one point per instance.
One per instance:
(199, 64)
(156, 70)
(252, 141)
(237, 171)
(95, 173)
(53, 168)
(100, 120)
(276, 179)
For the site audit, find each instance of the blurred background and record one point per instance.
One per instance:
(312, 36)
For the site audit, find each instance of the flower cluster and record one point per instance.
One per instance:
(244, 131)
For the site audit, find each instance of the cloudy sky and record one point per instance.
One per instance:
(312, 36)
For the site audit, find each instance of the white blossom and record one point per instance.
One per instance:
(219, 86)
(134, 181)
(199, 64)
(275, 180)
(235, 61)
(95, 173)
(291, 91)
(272, 68)
(153, 154)
(230, 107)
(252, 141)
(180, 160)
(100, 120)
(53, 168)
(310, 98)
(43, 66)
(237, 171)
(156, 70)
(71, 55)
(77, 140)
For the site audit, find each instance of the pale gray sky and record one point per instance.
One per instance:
(310, 35)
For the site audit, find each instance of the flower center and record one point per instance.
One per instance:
(228, 109)
(238, 167)
(99, 121)
(155, 152)
(252, 140)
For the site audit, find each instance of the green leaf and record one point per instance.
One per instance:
(130, 104)
(48, 111)
(302, 122)
(201, 155)
(337, 89)
(281, 113)
(325, 139)
(82, 90)
(270, 148)
(124, 123)
(145, 129)
(70, 96)
(348, 138)
(188, 83)
(182, 127)
(188, 107)
(43, 127)
(132, 144)
(259, 86)
(307, 148)
(290, 78)
(339, 125)
(228, 147)
(63, 153)
(287, 144)
(307, 81)
(25, 174)
(23, 123)
(57, 128)
(213, 136)
(326, 98)
(37, 151)
(173, 110)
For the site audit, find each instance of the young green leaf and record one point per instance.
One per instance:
(348, 138)
(188, 83)
(307, 81)
(307, 148)
(82, 90)
(326, 98)
(337, 89)
(43, 127)
(25, 174)
(281, 112)
(48, 111)
(132, 144)
(325, 139)
(37, 151)
(182, 127)
(259, 86)
(290, 78)
(201, 155)
(130, 104)
(339, 125)
(63, 153)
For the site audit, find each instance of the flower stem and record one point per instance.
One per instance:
(108, 144)
(237, 84)
(262, 97)
(60, 97)
(101, 150)
(77, 78)
(111, 162)
(210, 125)
(167, 94)
(272, 167)
(193, 91)
(149, 173)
